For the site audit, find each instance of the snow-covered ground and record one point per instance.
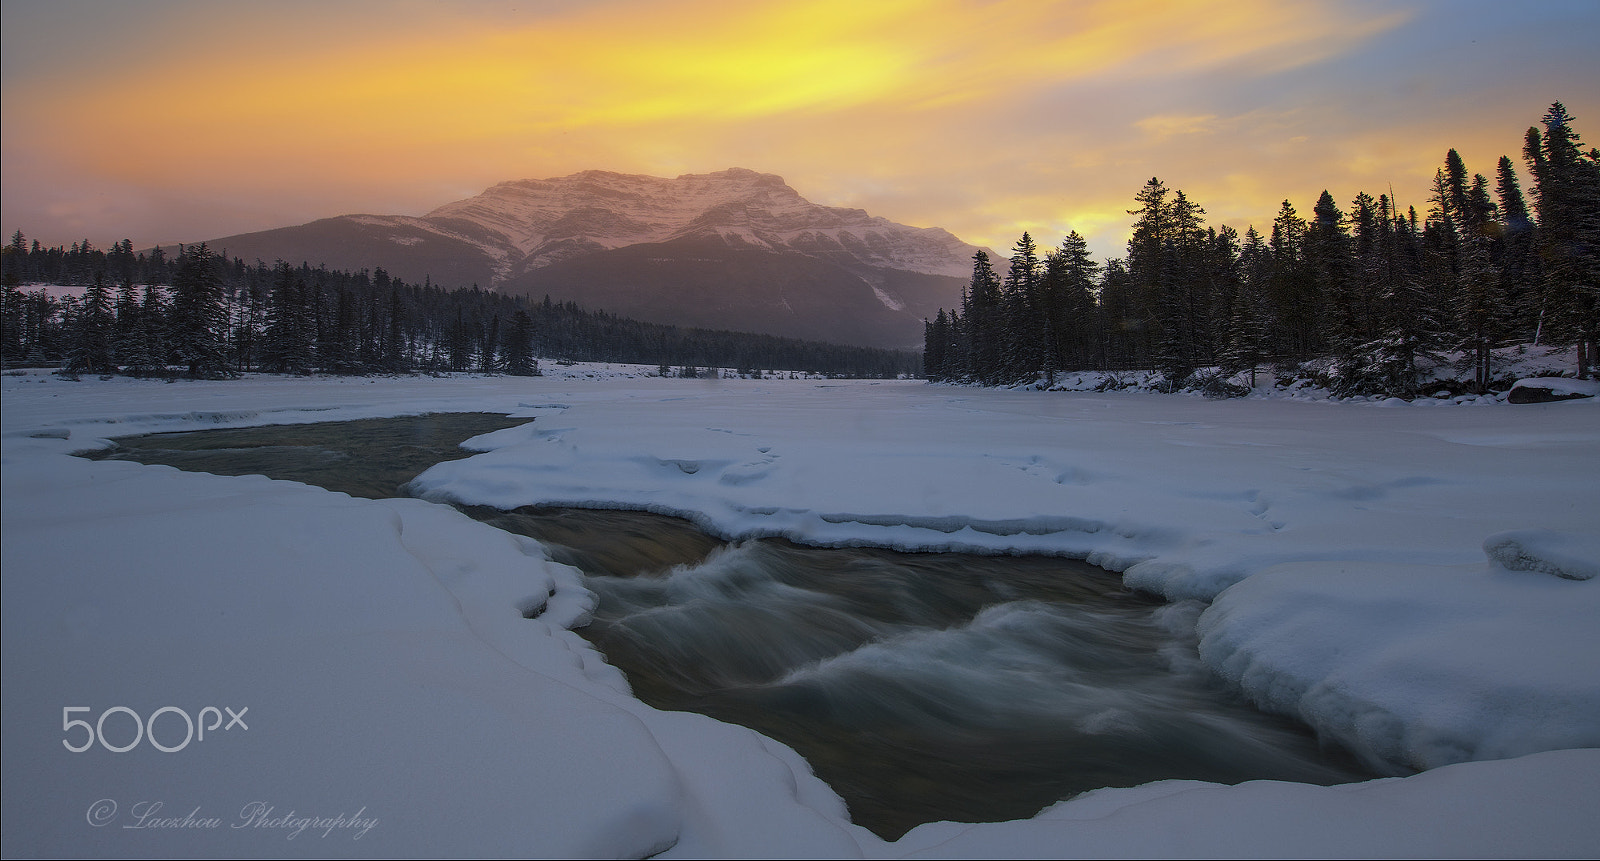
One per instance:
(1400, 577)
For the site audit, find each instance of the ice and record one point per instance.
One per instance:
(383, 651)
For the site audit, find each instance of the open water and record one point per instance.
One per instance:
(921, 687)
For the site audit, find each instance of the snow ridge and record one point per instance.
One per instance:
(542, 221)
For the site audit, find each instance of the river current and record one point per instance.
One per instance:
(920, 686)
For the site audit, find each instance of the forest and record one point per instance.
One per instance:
(200, 315)
(1376, 294)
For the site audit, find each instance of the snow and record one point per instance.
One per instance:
(612, 210)
(1562, 386)
(1575, 557)
(1357, 558)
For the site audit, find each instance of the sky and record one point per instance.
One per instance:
(165, 121)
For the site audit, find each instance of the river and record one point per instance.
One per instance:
(921, 687)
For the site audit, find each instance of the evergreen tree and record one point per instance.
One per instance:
(288, 345)
(1185, 288)
(1170, 271)
(1022, 334)
(460, 342)
(12, 312)
(936, 347)
(338, 351)
(1249, 325)
(1330, 261)
(94, 330)
(1567, 196)
(1518, 264)
(393, 343)
(519, 361)
(1451, 191)
(144, 353)
(1368, 231)
(1478, 298)
(125, 331)
(1068, 305)
(1292, 290)
(489, 348)
(984, 316)
(1124, 339)
(199, 314)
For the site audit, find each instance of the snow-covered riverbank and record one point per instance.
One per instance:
(389, 674)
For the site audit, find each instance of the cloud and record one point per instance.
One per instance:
(982, 117)
(1160, 128)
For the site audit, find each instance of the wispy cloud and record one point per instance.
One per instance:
(981, 117)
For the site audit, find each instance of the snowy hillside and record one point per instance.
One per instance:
(735, 250)
(1404, 578)
(546, 220)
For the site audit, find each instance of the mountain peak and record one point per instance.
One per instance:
(606, 239)
(740, 174)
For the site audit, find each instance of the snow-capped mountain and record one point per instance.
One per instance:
(735, 249)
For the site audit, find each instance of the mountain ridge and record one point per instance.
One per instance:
(773, 261)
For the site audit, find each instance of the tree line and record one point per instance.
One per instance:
(201, 315)
(1378, 292)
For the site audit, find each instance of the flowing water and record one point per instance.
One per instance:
(921, 687)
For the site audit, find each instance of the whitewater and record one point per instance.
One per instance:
(1413, 581)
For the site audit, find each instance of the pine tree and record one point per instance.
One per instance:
(1186, 290)
(985, 321)
(1567, 196)
(94, 329)
(12, 312)
(1249, 324)
(519, 361)
(460, 342)
(1518, 262)
(1367, 237)
(1123, 331)
(1330, 261)
(1478, 298)
(1452, 201)
(936, 347)
(393, 344)
(489, 349)
(1022, 330)
(1168, 268)
(199, 314)
(1292, 289)
(1068, 305)
(338, 350)
(288, 345)
(144, 354)
(125, 331)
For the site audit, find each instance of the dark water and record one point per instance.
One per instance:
(370, 458)
(921, 687)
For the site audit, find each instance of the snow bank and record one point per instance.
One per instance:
(1540, 389)
(1573, 556)
(1510, 809)
(1415, 667)
(381, 648)
(386, 675)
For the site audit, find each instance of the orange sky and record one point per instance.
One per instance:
(181, 120)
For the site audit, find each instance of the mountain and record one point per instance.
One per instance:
(735, 249)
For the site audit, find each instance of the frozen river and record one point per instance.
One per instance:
(1334, 554)
(922, 687)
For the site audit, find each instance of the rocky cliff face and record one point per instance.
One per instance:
(734, 249)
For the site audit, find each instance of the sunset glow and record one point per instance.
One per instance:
(180, 121)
